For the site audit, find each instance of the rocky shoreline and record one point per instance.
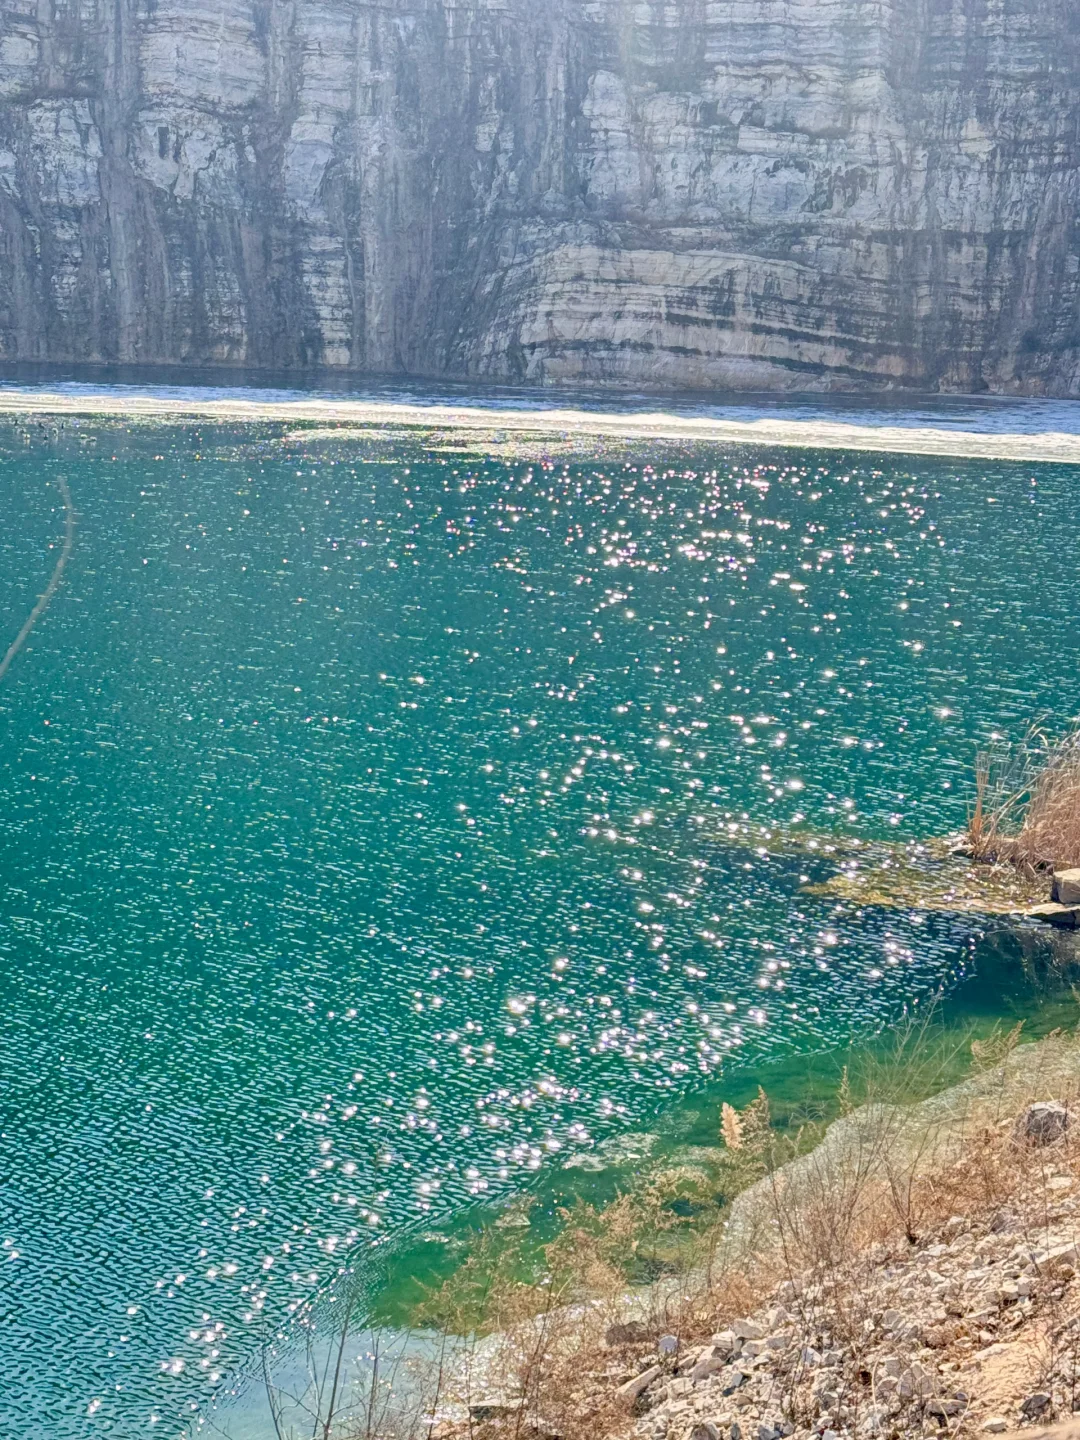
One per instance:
(1063, 909)
(974, 1326)
(914, 1275)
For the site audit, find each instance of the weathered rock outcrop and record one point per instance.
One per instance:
(762, 193)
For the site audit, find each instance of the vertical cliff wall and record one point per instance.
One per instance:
(765, 193)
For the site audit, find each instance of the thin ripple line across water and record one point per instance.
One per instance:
(50, 590)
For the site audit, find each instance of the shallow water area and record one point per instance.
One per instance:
(1010, 975)
(1016, 980)
(385, 826)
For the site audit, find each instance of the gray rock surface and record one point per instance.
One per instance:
(639, 1384)
(1063, 917)
(1066, 887)
(758, 193)
(1043, 1123)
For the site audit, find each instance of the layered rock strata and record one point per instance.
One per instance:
(673, 193)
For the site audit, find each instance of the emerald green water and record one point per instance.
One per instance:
(384, 826)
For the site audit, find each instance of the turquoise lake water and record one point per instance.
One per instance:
(385, 824)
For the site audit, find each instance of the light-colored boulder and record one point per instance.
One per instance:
(631, 1389)
(708, 1364)
(748, 1330)
(1066, 887)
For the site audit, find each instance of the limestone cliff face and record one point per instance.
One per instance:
(683, 193)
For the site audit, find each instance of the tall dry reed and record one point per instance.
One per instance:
(1027, 804)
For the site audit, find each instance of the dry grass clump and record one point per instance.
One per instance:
(1027, 804)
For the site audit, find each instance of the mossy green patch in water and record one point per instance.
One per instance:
(929, 877)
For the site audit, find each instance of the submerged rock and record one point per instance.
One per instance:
(931, 876)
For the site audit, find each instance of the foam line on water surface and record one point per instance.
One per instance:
(50, 590)
(886, 431)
